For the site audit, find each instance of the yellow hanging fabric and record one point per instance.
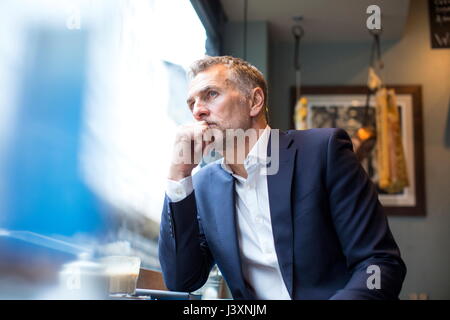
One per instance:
(392, 171)
(300, 114)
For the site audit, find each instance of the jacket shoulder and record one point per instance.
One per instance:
(314, 132)
(315, 136)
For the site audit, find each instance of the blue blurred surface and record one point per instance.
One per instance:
(44, 189)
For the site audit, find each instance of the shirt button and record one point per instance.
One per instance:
(178, 191)
(259, 219)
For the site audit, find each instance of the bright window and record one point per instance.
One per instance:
(136, 97)
(91, 92)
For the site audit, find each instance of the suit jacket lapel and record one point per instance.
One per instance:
(279, 187)
(222, 193)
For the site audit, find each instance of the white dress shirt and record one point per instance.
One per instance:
(254, 227)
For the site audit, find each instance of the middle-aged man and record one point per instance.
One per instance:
(313, 228)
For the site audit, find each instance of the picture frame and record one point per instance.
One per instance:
(343, 106)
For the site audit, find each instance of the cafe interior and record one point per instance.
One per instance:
(92, 93)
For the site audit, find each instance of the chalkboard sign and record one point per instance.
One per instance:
(439, 23)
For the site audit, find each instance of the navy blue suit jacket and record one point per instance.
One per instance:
(327, 222)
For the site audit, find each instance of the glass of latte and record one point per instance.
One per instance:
(123, 272)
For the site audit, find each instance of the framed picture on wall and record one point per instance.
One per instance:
(343, 107)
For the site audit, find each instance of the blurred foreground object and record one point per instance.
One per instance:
(30, 266)
(83, 279)
(34, 266)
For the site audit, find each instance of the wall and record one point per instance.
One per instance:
(257, 43)
(423, 241)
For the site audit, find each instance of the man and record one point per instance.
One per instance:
(312, 230)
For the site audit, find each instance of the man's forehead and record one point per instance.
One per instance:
(214, 75)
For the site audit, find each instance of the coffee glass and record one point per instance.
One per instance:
(123, 272)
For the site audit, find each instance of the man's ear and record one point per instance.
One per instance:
(257, 102)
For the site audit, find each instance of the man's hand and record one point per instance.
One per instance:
(189, 147)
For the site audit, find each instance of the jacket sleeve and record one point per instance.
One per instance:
(183, 251)
(361, 226)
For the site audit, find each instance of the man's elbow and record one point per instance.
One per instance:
(181, 286)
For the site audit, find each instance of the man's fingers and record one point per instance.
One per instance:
(207, 147)
(200, 139)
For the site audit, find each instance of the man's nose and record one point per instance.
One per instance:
(200, 111)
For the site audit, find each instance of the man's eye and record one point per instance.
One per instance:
(212, 94)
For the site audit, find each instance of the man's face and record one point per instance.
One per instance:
(213, 98)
